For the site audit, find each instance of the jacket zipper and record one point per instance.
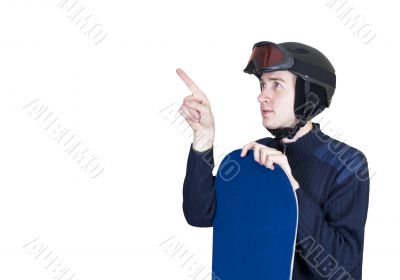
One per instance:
(284, 148)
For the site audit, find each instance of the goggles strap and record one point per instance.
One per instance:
(316, 72)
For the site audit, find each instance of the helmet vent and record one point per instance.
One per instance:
(300, 51)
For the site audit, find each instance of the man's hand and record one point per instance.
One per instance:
(196, 110)
(267, 156)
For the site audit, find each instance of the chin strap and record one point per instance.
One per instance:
(288, 132)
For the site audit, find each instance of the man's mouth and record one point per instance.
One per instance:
(266, 112)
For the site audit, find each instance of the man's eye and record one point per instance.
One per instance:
(276, 84)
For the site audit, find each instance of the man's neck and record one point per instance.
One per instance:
(303, 130)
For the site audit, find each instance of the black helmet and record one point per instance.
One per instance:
(315, 83)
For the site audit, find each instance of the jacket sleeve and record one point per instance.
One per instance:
(198, 188)
(333, 235)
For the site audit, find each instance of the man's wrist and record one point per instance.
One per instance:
(203, 141)
(202, 149)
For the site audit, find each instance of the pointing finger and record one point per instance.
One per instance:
(196, 91)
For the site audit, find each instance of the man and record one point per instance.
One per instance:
(330, 178)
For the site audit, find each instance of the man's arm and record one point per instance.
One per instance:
(334, 234)
(199, 189)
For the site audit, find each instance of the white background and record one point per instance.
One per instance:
(111, 95)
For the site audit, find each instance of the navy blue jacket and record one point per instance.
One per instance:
(332, 199)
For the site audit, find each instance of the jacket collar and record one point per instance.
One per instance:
(304, 145)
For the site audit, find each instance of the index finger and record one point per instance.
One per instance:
(251, 145)
(247, 147)
(191, 85)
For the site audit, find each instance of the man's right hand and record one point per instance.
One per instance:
(196, 110)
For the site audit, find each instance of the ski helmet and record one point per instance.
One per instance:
(315, 81)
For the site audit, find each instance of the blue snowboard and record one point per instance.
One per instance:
(255, 223)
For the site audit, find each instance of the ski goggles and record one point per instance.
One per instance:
(267, 56)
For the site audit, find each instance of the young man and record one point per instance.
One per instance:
(330, 178)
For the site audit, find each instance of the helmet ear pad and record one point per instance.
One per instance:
(299, 97)
(312, 101)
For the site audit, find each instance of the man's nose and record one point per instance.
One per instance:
(265, 96)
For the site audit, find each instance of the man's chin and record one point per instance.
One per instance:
(269, 124)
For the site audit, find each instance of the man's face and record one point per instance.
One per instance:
(277, 94)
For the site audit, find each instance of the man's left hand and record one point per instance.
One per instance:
(267, 156)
